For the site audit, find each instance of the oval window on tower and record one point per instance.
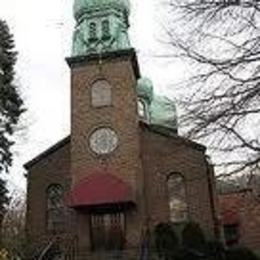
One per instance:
(101, 94)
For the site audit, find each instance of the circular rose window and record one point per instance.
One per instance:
(103, 140)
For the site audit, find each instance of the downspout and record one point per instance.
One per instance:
(212, 200)
(146, 232)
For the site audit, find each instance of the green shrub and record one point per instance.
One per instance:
(215, 250)
(193, 237)
(240, 253)
(166, 241)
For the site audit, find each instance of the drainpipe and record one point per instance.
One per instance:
(1, 76)
(1, 67)
(146, 229)
(211, 198)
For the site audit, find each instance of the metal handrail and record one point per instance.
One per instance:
(46, 249)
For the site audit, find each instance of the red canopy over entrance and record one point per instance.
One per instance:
(99, 189)
(230, 218)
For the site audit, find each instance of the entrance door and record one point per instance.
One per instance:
(107, 231)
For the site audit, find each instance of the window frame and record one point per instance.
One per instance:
(105, 29)
(59, 209)
(92, 31)
(233, 239)
(184, 199)
(145, 114)
(101, 103)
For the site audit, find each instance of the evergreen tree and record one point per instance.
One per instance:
(241, 253)
(11, 107)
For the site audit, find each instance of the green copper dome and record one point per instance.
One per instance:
(163, 113)
(145, 89)
(158, 111)
(83, 6)
(101, 26)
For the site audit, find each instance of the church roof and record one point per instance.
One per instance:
(47, 152)
(167, 132)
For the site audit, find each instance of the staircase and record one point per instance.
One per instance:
(56, 247)
(65, 247)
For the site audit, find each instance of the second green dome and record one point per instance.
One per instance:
(145, 89)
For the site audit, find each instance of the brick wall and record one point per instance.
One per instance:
(143, 158)
(122, 116)
(52, 169)
(162, 155)
(245, 208)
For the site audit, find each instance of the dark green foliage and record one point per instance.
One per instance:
(11, 106)
(166, 241)
(215, 250)
(10, 100)
(240, 253)
(194, 246)
(209, 251)
(193, 237)
(3, 198)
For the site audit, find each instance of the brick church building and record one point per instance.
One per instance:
(124, 168)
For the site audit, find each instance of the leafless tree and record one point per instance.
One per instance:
(219, 42)
(13, 228)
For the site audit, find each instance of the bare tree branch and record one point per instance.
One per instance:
(220, 40)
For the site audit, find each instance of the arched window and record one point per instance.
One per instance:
(105, 29)
(101, 94)
(142, 109)
(92, 31)
(177, 198)
(55, 207)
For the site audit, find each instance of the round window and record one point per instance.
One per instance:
(103, 140)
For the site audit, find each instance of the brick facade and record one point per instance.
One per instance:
(143, 159)
(161, 156)
(52, 167)
(242, 209)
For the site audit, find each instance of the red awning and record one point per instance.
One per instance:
(230, 218)
(230, 207)
(99, 189)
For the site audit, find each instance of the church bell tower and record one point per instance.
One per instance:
(105, 146)
(104, 72)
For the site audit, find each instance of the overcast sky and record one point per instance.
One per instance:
(42, 31)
